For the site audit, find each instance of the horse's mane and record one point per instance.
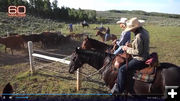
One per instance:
(92, 52)
(95, 58)
(98, 43)
(100, 32)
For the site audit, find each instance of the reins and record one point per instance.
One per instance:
(87, 76)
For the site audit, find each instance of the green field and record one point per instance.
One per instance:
(164, 39)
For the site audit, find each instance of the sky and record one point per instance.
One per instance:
(163, 6)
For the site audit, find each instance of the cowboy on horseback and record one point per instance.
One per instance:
(124, 38)
(84, 22)
(107, 33)
(139, 52)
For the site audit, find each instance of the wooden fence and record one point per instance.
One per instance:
(33, 54)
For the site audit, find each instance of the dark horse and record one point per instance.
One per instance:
(167, 74)
(92, 44)
(85, 25)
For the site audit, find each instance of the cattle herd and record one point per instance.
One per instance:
(46, 38)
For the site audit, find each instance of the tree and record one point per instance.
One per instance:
(47, 7)
(4, 5)
(39, 6)
(32, 3)
(55, 4)
(64, 13)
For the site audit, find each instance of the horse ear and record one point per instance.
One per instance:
(86, 38)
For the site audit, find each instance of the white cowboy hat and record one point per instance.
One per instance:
(142, 21)
(133, 23)
(122, 20)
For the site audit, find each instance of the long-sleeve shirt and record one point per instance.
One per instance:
(108, 31)
(140, 45)
(125, 37)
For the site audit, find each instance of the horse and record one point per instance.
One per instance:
(8, 90)
(167, 74)
(85, 25)
(92, 44)
(102, 29)
(77, 36)
(102, 35)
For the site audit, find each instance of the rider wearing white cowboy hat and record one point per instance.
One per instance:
(139, 52)
(124, 38)
(122, 20)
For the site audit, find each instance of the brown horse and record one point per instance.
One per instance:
(102, 35)
(167, 74)
(100, 29)
(89, 43)
(77, 36)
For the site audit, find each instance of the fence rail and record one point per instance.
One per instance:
(33, 54)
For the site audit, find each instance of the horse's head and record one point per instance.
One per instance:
(85, 43)
(75, 61)
(97, 33)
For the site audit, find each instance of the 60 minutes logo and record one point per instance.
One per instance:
(17, 11)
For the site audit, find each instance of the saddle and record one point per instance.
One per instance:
(148, 73)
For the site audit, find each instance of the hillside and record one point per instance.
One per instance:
(152, 18)
(31, 24)
(28, 24)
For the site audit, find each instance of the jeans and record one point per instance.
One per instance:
(133, 65)
(119, 50)
(106, 36)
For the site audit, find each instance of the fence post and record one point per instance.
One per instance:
(78, 79)
(7, 34)
(30, 50)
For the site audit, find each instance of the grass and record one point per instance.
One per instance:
(163, 39)
(44, 82)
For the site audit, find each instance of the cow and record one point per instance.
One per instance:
(32, 37)
(51, 38)
(12, 42)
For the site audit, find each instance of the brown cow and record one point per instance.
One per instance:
(32, 37)
(12, 42)
(51, 38)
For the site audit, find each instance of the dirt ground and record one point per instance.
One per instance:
(11, 65)
(21, 56)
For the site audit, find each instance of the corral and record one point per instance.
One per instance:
(15, 69)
